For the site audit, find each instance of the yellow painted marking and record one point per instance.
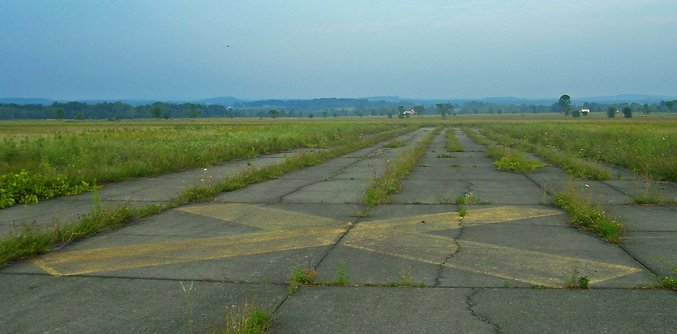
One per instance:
(281, 231)
(505, 214)
(407, 236)
(412, 238)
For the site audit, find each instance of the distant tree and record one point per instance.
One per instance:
(627, 112)
(59, 113)
(611, 112)
(325, 114)
(79, 116)
(311, 115)
(194, 111)
(156, 112)
(420, 109)
(646, 109)
(167, 115)
(444, 109)
(670, 104)
(390, 115)
(564, 104)
(576, 113)
(273, 113)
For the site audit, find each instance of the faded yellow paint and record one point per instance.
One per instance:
(504, 214)
(409, 237)
(417, 238)
(282, 231)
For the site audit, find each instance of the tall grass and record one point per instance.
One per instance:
(103, 153)
(644, 147)
(396, 171)
(570, 163)
(452, 141)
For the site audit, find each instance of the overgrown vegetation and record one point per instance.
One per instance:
(588, 216)
(395, 171)
(48, 161)
(510, 159)
(32, 242)
(302, 274)
(571, 164)
(255, 175)
(452, 141)
(576, 280)
(469, 198)
(669, 282)
(247, 319)
(642, 147)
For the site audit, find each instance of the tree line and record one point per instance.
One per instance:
(310, 108)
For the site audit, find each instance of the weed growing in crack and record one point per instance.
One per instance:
(588, 216)
(341, 275)
(445, 156)
(302, 275)
(652, 197)
(468, 198)
(406, 280)
(189, 297)
(247, 319)
(576, 281)
(462, 212)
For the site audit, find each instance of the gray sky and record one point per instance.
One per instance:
(79, 49)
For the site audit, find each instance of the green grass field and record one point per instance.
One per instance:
(44, 159)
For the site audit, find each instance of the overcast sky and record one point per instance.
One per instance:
(164, 49)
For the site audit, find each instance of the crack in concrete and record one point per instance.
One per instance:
(440, 267)
(470, 303)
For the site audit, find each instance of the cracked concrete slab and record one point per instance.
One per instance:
(219, 242)
(45, 304)
(245, 244)
(378, 310)
(537, 251)
(138, 192)
(578, 311)
(395, 244)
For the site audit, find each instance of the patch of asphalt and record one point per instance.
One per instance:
(378, 310)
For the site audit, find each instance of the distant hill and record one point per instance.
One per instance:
(623, 98)
(332, 103)
(224, 100)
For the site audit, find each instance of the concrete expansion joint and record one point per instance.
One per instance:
(626, 251)
(470, 305)
(338, 241)
(542, 186)
(331, 176)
